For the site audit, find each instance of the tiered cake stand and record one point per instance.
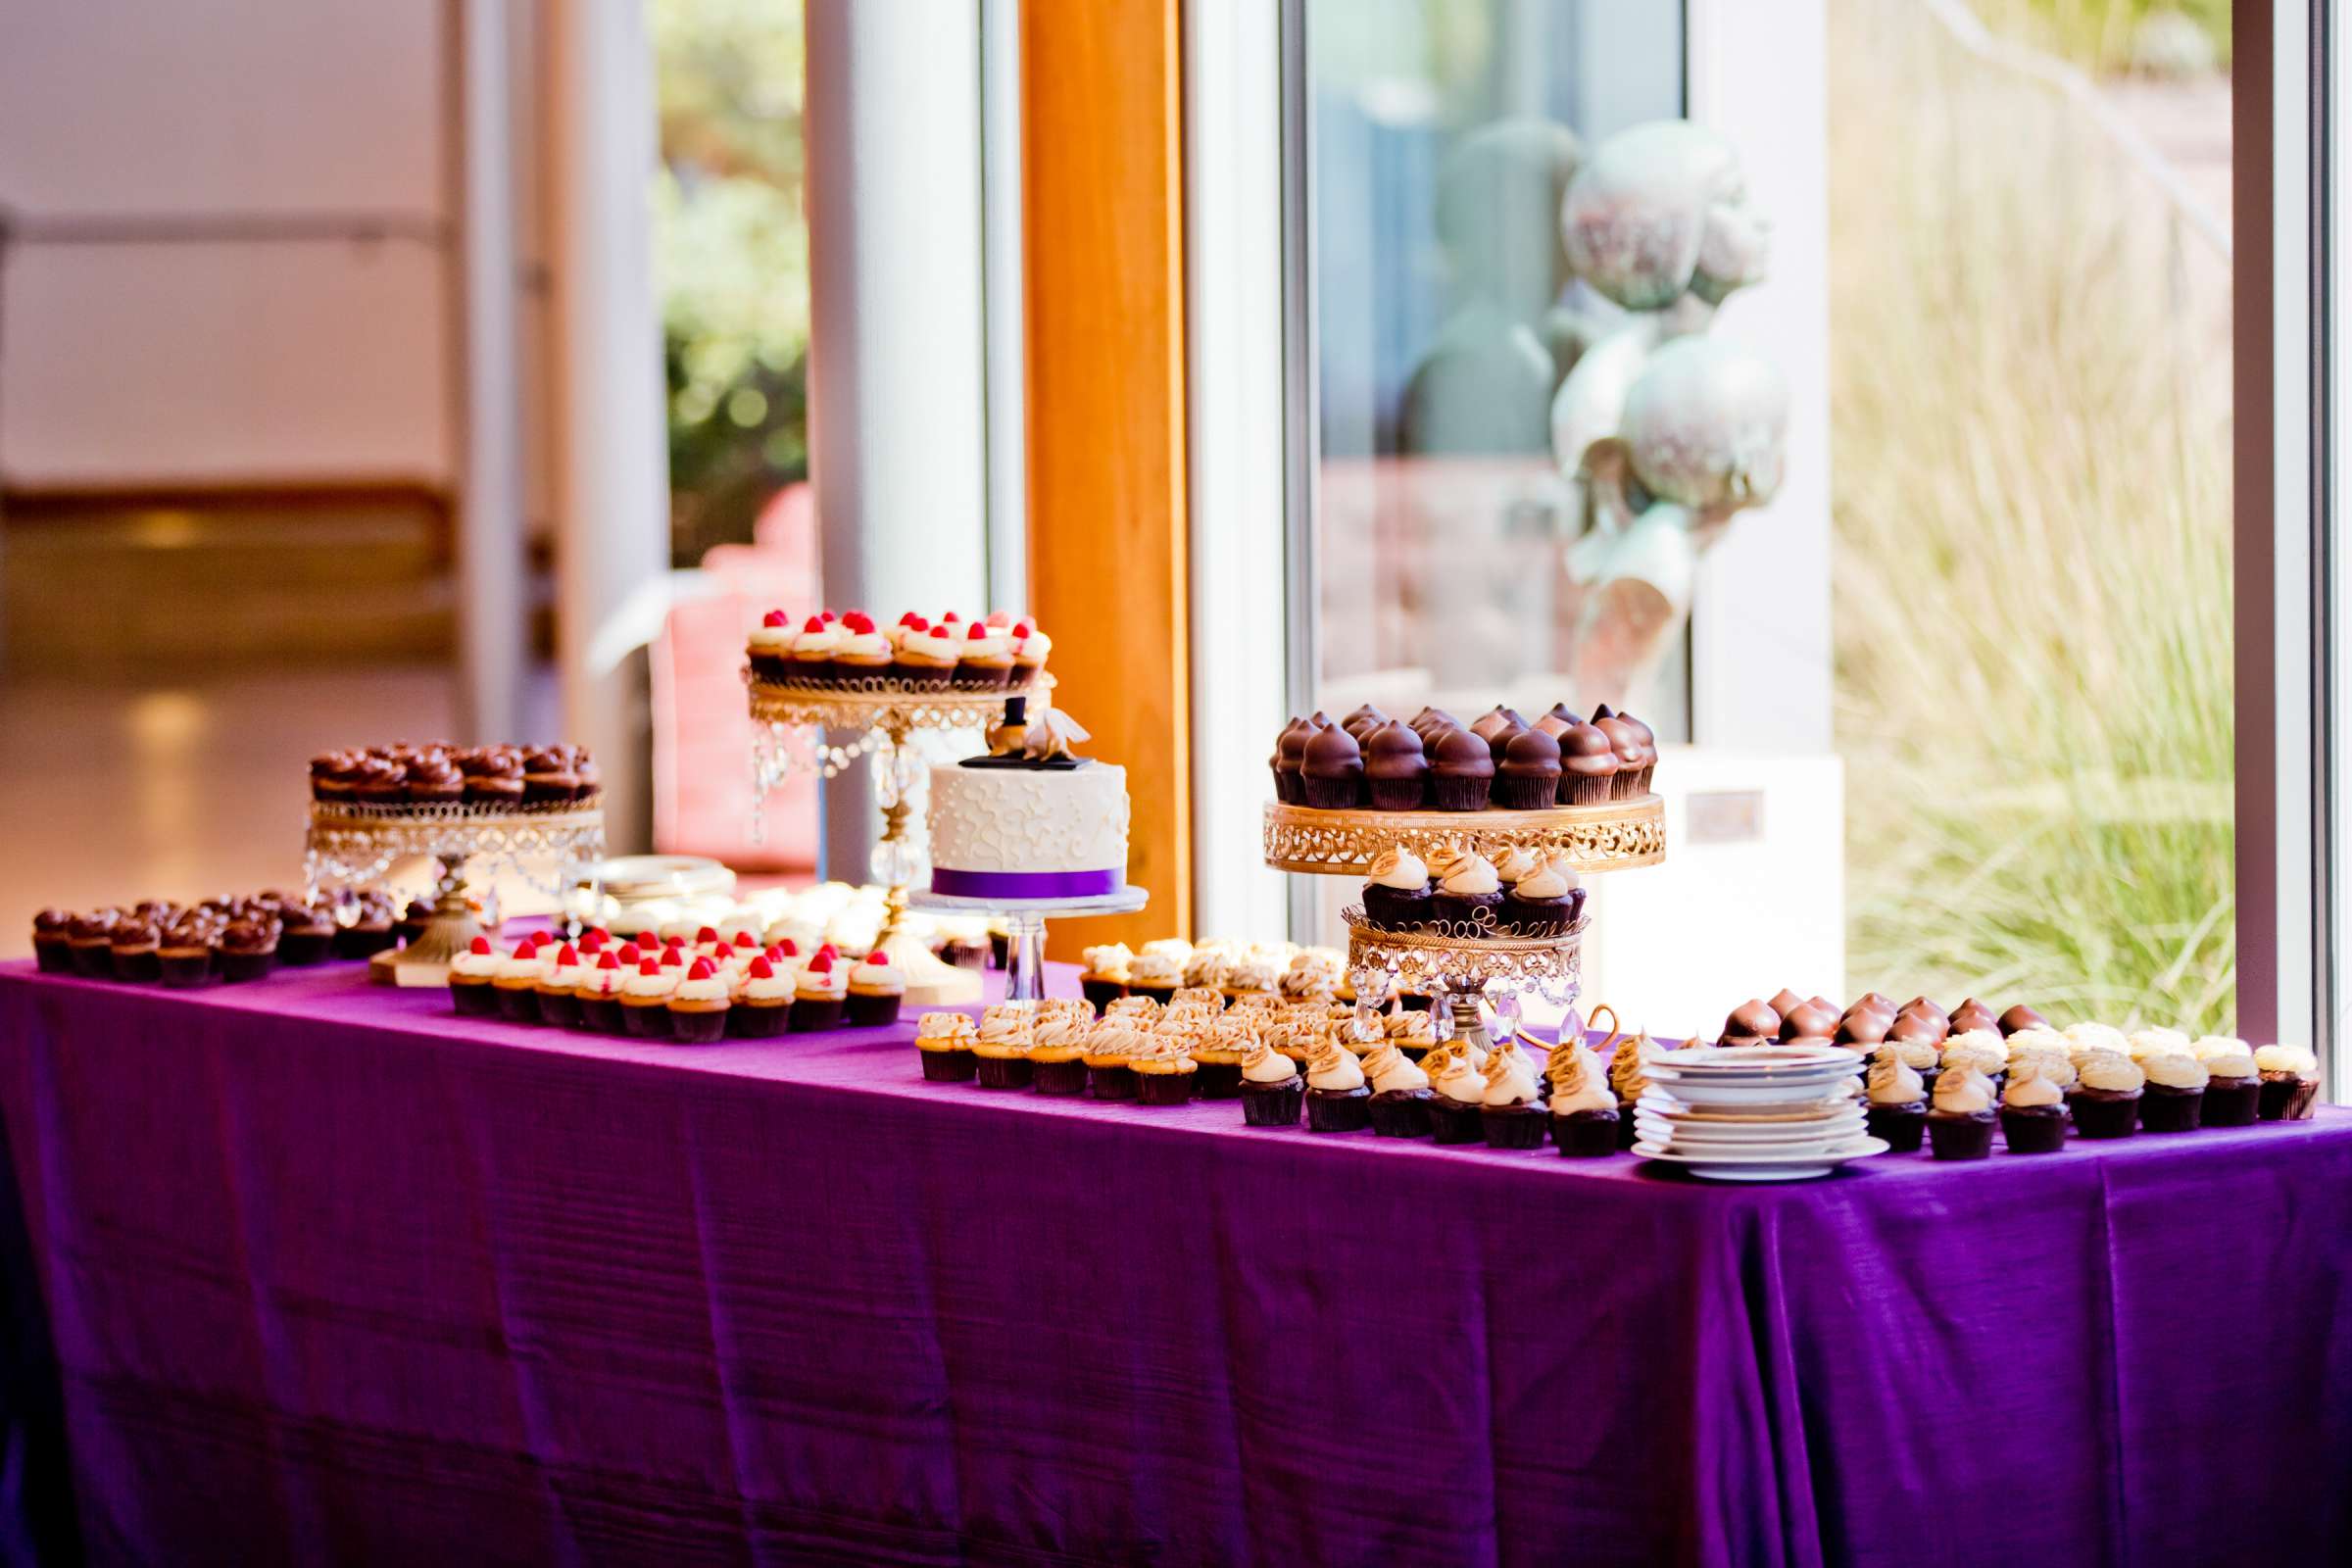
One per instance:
(1457, 965)
(1025, 928)
(545, 846)
(790, 726)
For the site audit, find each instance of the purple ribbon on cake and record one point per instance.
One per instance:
(1025, 884)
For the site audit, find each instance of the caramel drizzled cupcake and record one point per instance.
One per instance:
(1154, 976)
(1896, 1101)
(1397, 893)
(1583, 1109)
(1459, 1096)
(1628, 1076)
(1511, 1113)
(1338, 1100)
(943, 1041)
(1401, 1093)
(1108, 1048)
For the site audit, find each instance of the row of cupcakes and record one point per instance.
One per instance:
(670, 991)
(438, 773)
(229, 938)
(1521, 892)
(1169, 966)
(1434, 761)
(1011, 1042)
(1459, 1093)
(993, 652)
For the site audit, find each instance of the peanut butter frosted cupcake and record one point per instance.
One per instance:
(1003, 1049)
(1109, 1044)
(1512, 1114)
(1584, 1112)
(1163, 1070)
(1338, 1100)
(1896, 1101)
(1272, 1088)
(1138, 1010)
(2034, 1114)
(1217, 1052)
(1961, 1121)
(1058, 1056)
(1400, 1094)
(1458, 1099)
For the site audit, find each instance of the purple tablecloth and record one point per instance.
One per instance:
(333, 1275)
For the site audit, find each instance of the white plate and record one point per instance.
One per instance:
(1657, 1130)
(1753, 1094)
(1773, 1168)
(1754, 1060)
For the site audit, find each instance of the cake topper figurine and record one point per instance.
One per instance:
(1045, 741)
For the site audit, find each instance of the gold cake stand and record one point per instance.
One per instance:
(1614, 836)
(544, 847)
(790, 723)
(1463, 961)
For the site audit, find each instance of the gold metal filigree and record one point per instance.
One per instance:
(878, 702)
(1615, 836)
(1459, 956)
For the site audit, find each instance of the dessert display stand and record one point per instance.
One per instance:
(545, 846)
(1458, 964)
(1025, 927)
(790, 726)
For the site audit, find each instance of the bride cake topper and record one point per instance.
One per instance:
(1046, 741)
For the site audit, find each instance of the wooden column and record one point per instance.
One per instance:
(1102, 188)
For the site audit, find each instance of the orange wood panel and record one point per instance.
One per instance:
(1103, 195)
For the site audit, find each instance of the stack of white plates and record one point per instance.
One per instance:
(1754, 1113)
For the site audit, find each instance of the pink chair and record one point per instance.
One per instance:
(702, 734)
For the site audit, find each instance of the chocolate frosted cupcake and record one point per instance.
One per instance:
(1287, 761)
(133, 949)
(185, 956)
(53, 942)
(1469, 892)
(2232, 1082)
(944, 1042)
(2033, 1115)
(1962, 1118)
(1895, 1103)
(1272, 1090)
(2173, 1098)
(306, 936)
(1587, 766)
(1512, 1114)
(1583, 1110)
(1527, 777)
(248, 950)
(1557, 721)
(1457, 1102)
(2105, 1102)
(1401, 1093)
(1397, 896)
(1753, 1022)
(1461, 772)
(1864, 1027)
(2290, 1083)
(1495, 721)
(1813, 1019)
(1626, 746)
(1363, 721)
(1396, 768)
(2022, 1017)
(1499, 741)
(1338, 1101)
(90, 945)
(1332, 771)
(1973, 1015)
(369, 930)
(1543, 902)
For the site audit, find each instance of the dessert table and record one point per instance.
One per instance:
(325, 1273)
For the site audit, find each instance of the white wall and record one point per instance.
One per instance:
(245, 361)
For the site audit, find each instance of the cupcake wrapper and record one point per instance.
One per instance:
(2033, 1135)
(1450, 1123)
(2161, 1112)
(1515, 1126)
(186, 974)
(1395, 909)
(2233, 1105)
(236, 966)
(764, 1022)
(1960, 1137)
(1272, 1107)
(1400, 1115)
(1464, 908)
(810, 1017)
(770, 666)
(2105, 1119)
(1587, 788)
(361, 942)
(1111, 1083)
(1537, 919)
(978, 678)
(698, 1027)
(600, 1013)
(517, 1005)
(299, 950)
(1004, 1072)
(1334, 794)
(562, 1011)
(1526, 792)
(949, 1066)
(1452, 794)
(922, 677)
(1339, 1110)
(1163, 1088)
(1216, 1080)
(646, 1022)
(93, 963)
(140, 969)
(1904, 1127)
(813, 673)
(2287, 1099)
(53, 957)
(1102, 992)
(1591, 1137)
(1058, 1077)
(1398, 794)
(1626, 785)
(869, 1012)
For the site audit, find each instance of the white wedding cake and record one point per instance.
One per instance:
(1029, 820)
